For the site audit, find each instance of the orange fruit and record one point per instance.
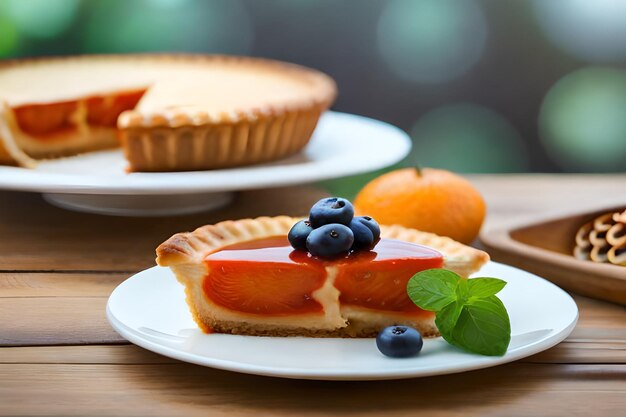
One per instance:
(431, 200)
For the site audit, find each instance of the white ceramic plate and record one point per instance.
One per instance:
(149, 310)
(343, 144)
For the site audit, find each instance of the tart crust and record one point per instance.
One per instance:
(192, 138)
(184, 253)
(200, 143)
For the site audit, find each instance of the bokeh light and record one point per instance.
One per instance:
(9, 37)
(467, 137)
(431, 41)
(40, 18)
(348, 187)
(591, 30)
(169, 25)
(583, 120)
(166, 4)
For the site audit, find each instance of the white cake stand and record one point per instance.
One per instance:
(342, 145)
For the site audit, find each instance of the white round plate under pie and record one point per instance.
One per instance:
(342, 145)
(149, 309)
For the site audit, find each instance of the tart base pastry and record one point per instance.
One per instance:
(197, 260)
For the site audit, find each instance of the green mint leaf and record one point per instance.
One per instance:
(468, 313)
(433, 289)
(446, 320)
(484, 287)
(462, 290)
(482, 327)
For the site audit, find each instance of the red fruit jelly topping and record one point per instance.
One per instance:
(45, 121)
(378, 279)
(268, 277)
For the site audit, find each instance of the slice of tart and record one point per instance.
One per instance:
(43, 126)
(200, 112)
(243, 277)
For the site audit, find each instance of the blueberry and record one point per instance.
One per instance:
(363, 236)
(399, 341)
(298, 234)
(331, 210)
(330, 240)
(372, 225)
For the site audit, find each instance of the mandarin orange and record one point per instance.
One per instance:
(431, 200)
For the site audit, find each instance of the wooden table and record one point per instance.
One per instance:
(59, 356)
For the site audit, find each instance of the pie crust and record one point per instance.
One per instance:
(200, 112)
(185, 254)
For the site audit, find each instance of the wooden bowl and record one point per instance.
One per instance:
(545, 249)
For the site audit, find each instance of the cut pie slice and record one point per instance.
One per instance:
(47, 123)
(32, 132)
(243, 277)
(200, 112)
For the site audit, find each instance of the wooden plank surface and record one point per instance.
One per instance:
(56, 320)
(46, 238)
(54, 308)
(60, 356)
(61, 309)
(514, 199)
(571, 351)
(178, 389)
(87, 354)
(41, 284)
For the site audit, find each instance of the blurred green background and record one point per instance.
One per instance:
(481, 86)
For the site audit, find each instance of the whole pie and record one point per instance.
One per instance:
(243, 277)
(169, 113)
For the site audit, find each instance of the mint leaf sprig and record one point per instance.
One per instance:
(467, 312)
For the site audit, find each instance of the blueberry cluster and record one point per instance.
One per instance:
(332, 230)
